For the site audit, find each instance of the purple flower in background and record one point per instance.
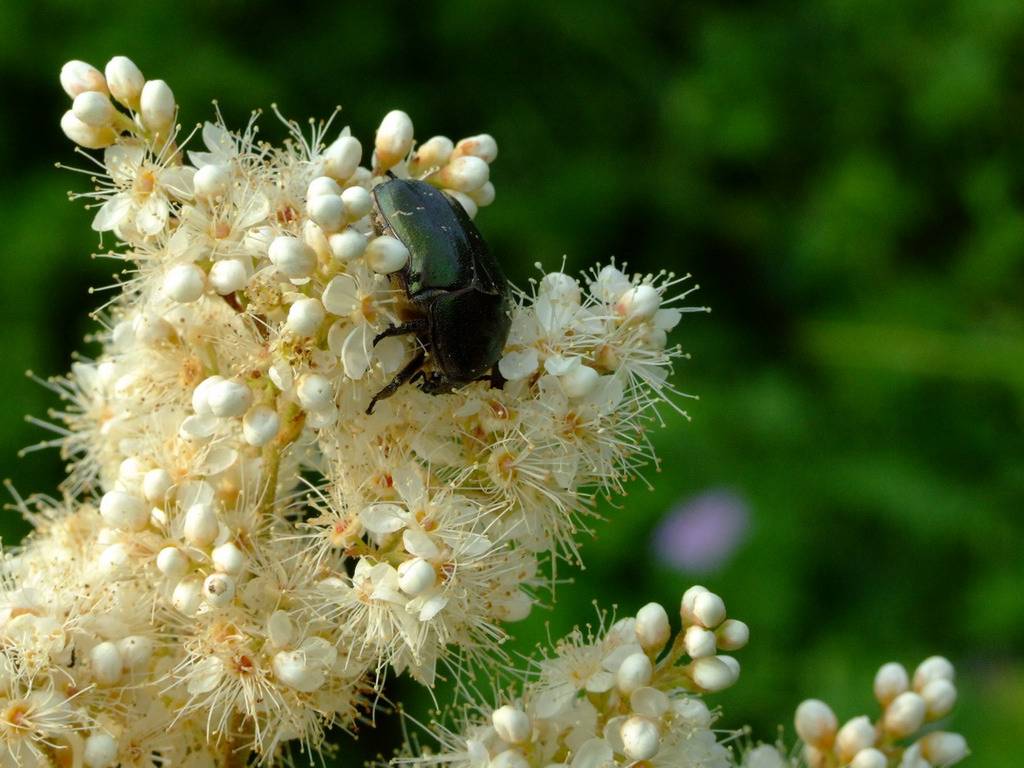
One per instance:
(700, 533)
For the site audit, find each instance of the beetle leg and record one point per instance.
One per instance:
(435, 383)
(494, 378)
(413, 326)
(410, 370)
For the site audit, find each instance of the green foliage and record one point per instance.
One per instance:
(844, 177)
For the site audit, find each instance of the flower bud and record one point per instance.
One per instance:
(712, 674)
(115, 561)
(347, 245)
(890, 681)
(305, 317)
(483, 146)
(201, 526)
(84, 135)
(212, 181)
(185, 283)
(635, 672)
(640, 738)
(431, 155)
(135, 650)
(320, 186)
(187, 596)
(856, 735)
(260, 425)
(328, 211)
(393, 140)
(699, 642)
(94, 109)
(314, 392)
(512, 724)
(933, 668)
(638, 303)
(416, 576)
(123, 511)
(155, 485)
(869, 758)
(218, 589)
(100, 750)
(816, 758)
(172, 562)
(125, 81)
(228, 276)
(816, 723)
(732, 635)
(106, 663)
(905, 714)
(483, 196)
(939, 697)
(708, 609)
(342, 157)
(229, 398)
(78, 77)
(943, 748)
(690, 595)
(156, 106)
(463, 174)
(201, 395)
(292, 256)
(652, 627)
(358, 203)
(228, 558)
(386, 254)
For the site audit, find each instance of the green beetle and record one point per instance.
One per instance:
(460, 307)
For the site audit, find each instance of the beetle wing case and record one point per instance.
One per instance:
(446, 249)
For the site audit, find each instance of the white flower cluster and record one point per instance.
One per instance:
(908, 705)
(625, 697)
(242, 551)
(244, 547)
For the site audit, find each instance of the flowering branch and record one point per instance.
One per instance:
(245, 547)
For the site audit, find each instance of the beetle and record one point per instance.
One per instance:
(459, 302)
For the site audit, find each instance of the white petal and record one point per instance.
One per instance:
(420, 544)
(650, 702)
(281, 629)
(593, 753)
(341, 296)
(518, 365)
(151, 218)
(178, 180)
(614, 659)
(206, 675)
(667, 319)
(432, 607)
(217, 139)
(122, 162)
(383, 518)
(198, 427)
(599, 682)
(218, 459)
(409, 484)
(112, 213)
(357, 351)
(553, 700)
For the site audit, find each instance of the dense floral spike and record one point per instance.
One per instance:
(242, 553)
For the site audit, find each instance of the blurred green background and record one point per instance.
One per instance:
(845, 178)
